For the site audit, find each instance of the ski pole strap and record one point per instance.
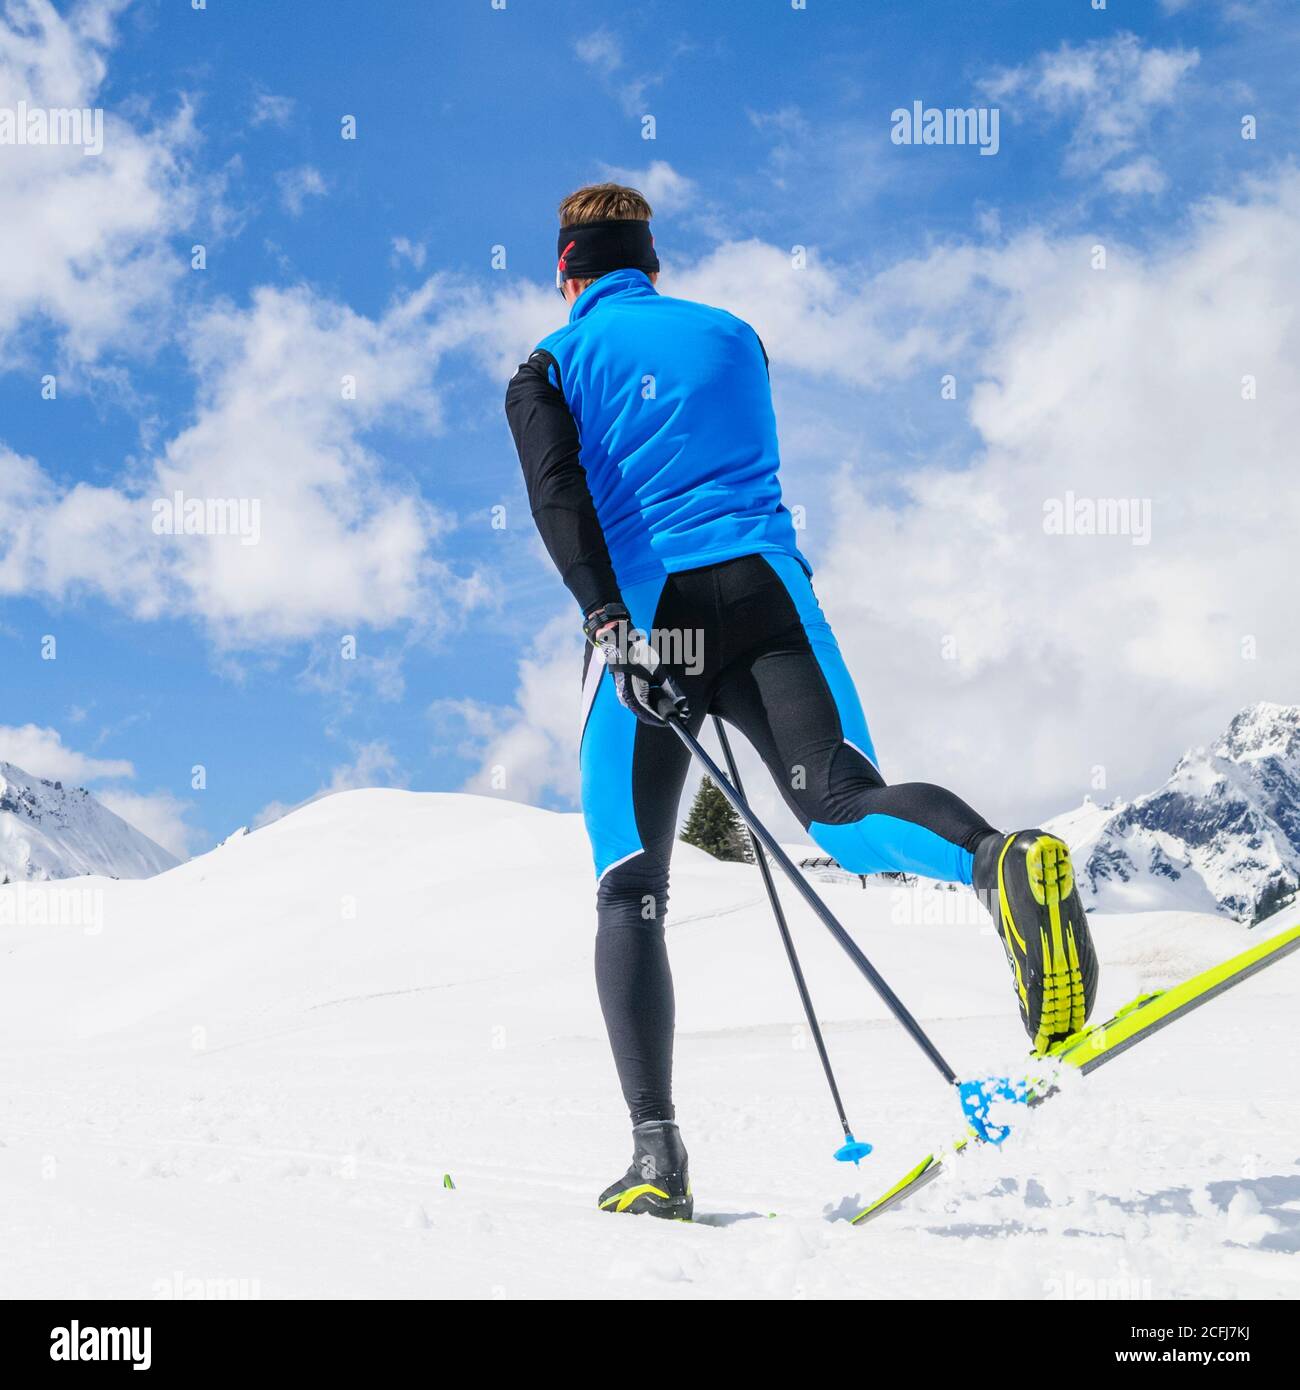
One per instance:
(601, 617)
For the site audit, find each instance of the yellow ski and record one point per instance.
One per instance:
(1091, 1047)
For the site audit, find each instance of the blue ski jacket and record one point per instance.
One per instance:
(647, 438)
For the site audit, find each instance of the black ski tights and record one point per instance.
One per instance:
(769, 665)
(636, 997)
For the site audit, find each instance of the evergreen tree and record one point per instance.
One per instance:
(1273, 899)
(715, 828)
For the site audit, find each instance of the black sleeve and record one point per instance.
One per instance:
(546, 437)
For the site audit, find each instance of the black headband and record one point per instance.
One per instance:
(591, 249)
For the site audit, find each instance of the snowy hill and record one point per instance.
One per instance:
(1219, 834)
(255, 1069)
(48, 831)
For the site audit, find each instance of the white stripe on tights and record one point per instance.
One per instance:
(859, 751)
(617, 862)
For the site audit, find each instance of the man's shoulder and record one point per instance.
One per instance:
(696, 319)
(556, 339)
(572, 341)
(697, 308)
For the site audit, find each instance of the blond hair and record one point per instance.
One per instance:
(603, 202)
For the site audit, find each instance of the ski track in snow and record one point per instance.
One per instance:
(184, 1098)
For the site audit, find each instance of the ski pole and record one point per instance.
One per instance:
(976, 1097)
(852, 1150)
(824, 914)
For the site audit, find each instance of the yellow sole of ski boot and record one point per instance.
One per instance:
(1051, 881)
(622, 1201)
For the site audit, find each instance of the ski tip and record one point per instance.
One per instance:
(852, 1150)
(447, 1182)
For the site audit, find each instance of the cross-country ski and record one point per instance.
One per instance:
(1100, 1043)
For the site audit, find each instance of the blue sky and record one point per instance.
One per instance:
(772, 126)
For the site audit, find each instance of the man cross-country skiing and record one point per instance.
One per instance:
(648, 443)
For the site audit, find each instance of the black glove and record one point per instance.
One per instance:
(643, 685)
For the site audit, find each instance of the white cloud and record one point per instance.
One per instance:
(529, 749)
(795, 144)
(497, 330)
(602, 52)
(664, 188)
(834, 164)
(404, 249)
(373, 766)
(297, 185)
(270, 109)
(1114, 89)
(600, 49)
(84, 241)
(55, 539)
(42, 752)
(1141, 175)
(1071, 653)
(830, 320)
(83, 238)
(339, 543)
(160, 815)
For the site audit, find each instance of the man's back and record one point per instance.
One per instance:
(678, 440)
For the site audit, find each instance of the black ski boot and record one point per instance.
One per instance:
(1026, 881)
(657, 1183)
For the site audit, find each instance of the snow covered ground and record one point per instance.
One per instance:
(248, 1075)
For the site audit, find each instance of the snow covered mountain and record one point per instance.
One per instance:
(50, 831)
(1221, 835)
